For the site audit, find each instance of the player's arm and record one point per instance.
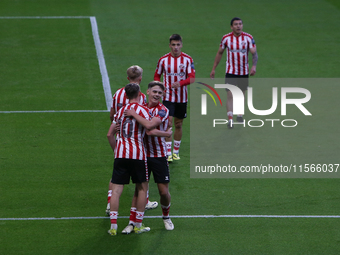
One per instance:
(157, 132)
(157, 77)
(217, 61)
(255, 58)
(158, 72)
(187, 81)
(111, 135)
(190, 79)
(112, 113)
(112, 110)
(148, 124)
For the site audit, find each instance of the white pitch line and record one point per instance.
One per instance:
(179, 216)
(102, 65)
(54, 111)
(44, 17)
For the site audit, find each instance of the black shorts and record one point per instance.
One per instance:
(240, 81)
(178, 110)
(124, 168)
(159, 168)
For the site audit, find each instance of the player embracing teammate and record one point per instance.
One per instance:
(130, 154)
(120, 99)
(130, 158)
(156, 149)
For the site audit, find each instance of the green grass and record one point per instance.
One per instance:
(237, 236)
(59, 164)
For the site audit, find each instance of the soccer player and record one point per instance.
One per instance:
(134, 75)
(238, 45)
(178, 72)
(130, 158)
(156, 152)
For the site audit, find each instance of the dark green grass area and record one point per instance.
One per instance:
(59, 164)
(230, 236)
(48, 64)
(49, 161)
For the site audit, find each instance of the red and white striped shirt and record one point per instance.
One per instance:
(156, 146)
(237, 52)
(120, 99)
(174, 69)
(131, 134)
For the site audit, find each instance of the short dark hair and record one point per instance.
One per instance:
(175, 37)
(132, 90)
(232, 21)
(156, 83)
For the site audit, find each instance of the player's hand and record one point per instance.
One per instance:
(212, 74)
(175, 85)
(169, 132)
(129, 112)
(253, 70)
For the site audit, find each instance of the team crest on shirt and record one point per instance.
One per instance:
(162, 113)
(181, 66)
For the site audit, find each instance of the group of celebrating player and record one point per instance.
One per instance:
(137, 154)
(141, 132)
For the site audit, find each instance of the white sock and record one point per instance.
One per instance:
(168, 148)
(176, 146)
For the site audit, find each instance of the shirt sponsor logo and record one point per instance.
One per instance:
(181, 74)
(243, 51)
(161, 113)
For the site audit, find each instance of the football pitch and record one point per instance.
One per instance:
(60, 63)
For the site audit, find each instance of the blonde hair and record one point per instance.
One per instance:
(134, 72)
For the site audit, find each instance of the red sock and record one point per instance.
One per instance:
(132, 219)
(168, 148)
(176, 146)
(113, 219)
(109, 195)
(230, 115)
(165, 210)
(139, 218)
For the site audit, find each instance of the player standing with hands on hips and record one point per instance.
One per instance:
(178, 72)
(238, 45)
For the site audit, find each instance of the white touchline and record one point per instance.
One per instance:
(179, 216)
(102, 65)
(44, 17)
(54, 111)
